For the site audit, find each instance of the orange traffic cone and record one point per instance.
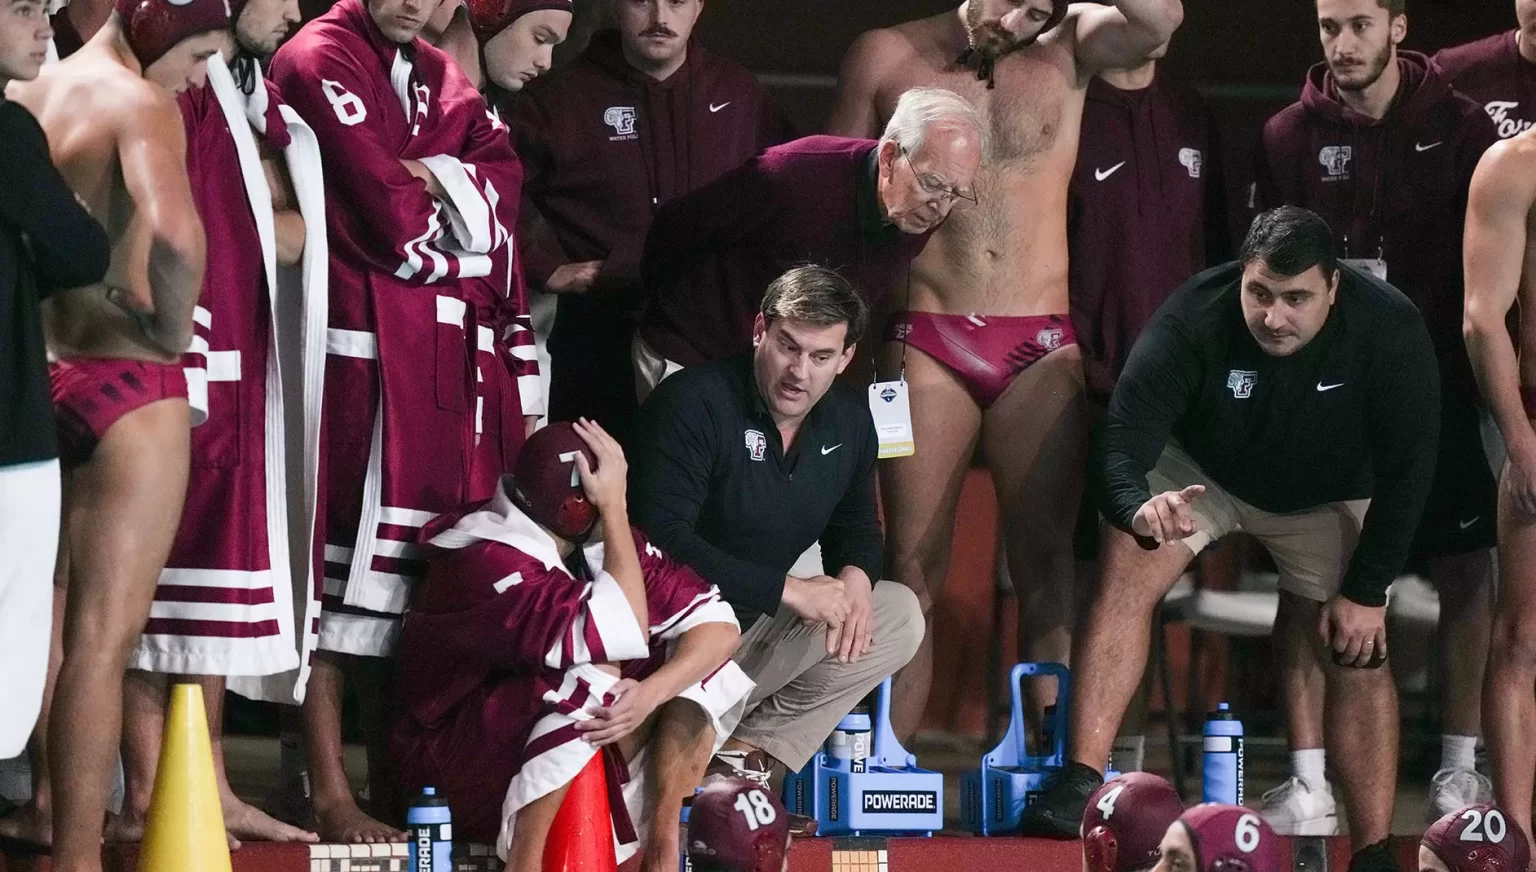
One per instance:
(581, 837)
(185, 830)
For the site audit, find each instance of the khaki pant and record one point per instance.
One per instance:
(1311, 547)
(802, 692)
(651, 369)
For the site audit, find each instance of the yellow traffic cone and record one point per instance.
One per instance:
(185, 830)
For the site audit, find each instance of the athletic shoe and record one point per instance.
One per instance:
(1374, 858)
(1058, 813)
(1454, 789)
(756, 767)
(1300, 808)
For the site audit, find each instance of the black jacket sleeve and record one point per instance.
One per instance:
(852, 536)
(675, 448)
(1404, 434)
(1160, 378)
(68, 248)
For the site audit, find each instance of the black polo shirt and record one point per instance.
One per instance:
(711, 483)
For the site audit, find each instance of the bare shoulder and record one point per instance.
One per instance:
(876, 54)
(1509, 163)
(142, 109)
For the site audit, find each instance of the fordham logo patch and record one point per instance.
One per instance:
(1241, 382)
(1049, 338)
(1335, 159)
(622, 120)
(1192, 160)
(757, 444)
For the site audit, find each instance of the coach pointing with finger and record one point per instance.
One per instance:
(1294, 398)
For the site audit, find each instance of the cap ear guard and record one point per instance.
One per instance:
(1101, 849)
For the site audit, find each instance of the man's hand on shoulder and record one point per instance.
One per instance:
(1167, 517)
(819, 600)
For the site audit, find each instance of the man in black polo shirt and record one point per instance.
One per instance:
(738, 467)
(1281, 395)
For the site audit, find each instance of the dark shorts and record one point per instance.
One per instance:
(985, 351)
(91, 394)
(1461, 514)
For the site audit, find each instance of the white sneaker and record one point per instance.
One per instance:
(1454, 789)
(1300, 808)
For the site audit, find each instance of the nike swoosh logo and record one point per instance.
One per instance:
(1322, 387)
(1421, 147)
(1101, 175)
(1466, 524)
(825, 450)
(714, 108)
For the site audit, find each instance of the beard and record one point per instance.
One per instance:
(989, 38)
(1364, 79)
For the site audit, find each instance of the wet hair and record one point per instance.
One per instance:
(917, 109)
(1289, 241)
(817, 296)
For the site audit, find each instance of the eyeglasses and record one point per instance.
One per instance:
(935, 187)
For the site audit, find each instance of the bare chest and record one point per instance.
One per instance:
(1031, 113)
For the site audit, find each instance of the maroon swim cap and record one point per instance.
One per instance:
(490, 17)
(1125, 820)
(1230, 838)
(153, 27)
(546, 485)
(737, 826)
(1479, 838)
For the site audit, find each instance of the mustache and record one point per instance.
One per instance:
(658, 30)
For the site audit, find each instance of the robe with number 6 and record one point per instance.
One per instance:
(237, 596)
(430, 366)
(497, 668)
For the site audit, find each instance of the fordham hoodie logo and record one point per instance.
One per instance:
(1241, 382)
(622, 120)
(1191, 159)
(1499, 110)
(1335, 159)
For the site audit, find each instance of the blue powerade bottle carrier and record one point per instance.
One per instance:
(890, 795)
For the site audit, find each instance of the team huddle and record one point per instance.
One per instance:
(286, 310)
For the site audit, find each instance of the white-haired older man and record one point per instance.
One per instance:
(860, 206)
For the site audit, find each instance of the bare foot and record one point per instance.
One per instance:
(125, 828)
(128, 829)
(28, 824)
(345, 822)
(289, 803)
(244, 821)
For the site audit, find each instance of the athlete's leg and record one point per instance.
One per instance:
(1465, 584)
(1509, 704)
(680, 751)
(1301, 673)
(337, 815)
(144, 699)
(1110, 651)
(1034, 439)
(125, 505)
(241, 820)
(373, 678)
(920, 494)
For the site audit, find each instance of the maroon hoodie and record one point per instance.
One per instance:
(604, 145)
(1147, 210)
(1492, 72)
(712, 254)
(1396, 187)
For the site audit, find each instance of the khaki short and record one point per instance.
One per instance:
(1311, 547)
